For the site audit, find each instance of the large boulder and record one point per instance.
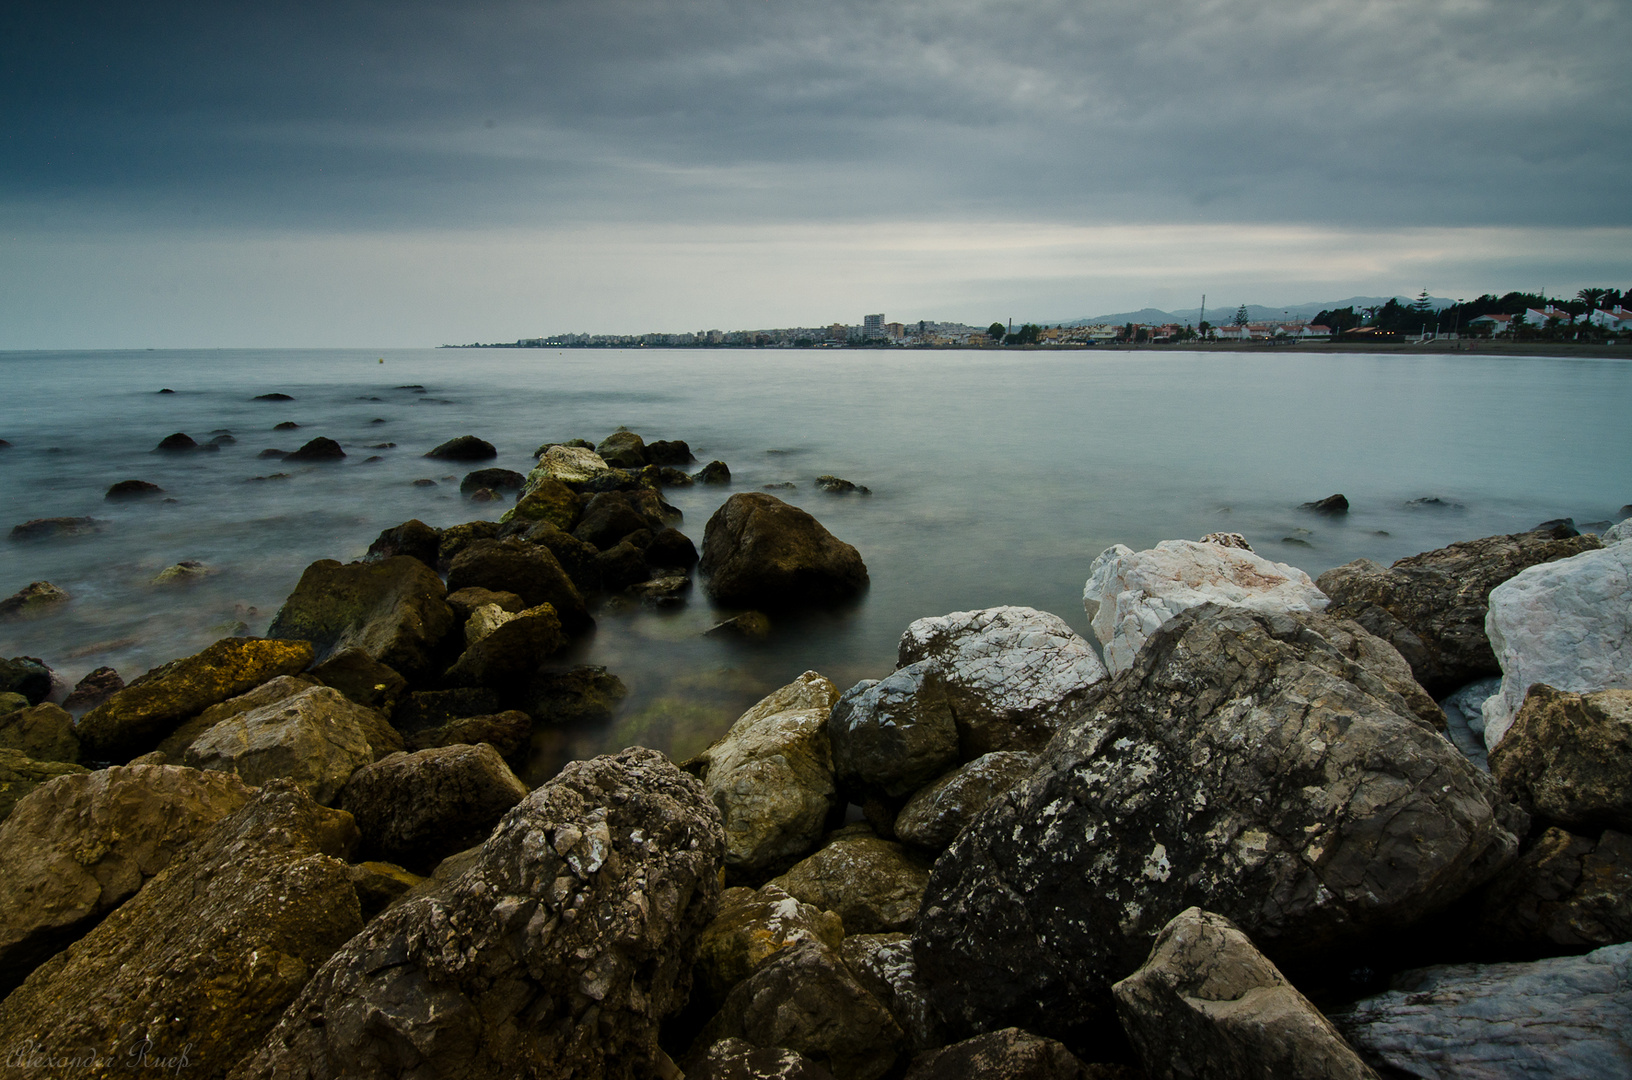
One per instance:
(20, 775)
(1563, 1017)
(1207, 1003)
(555, 954)
(528, 570)
(807, 1001)
(759, 552)
(417, 809)
(1567, 893)
(1431, 607)
(548, 500)
(884, 965)
(45, 732)
(608, 518)
(752, 927)
(569, 465)
(622, 450)
(204, 959)
(81, 845)
(362, 678)
(1244, 765)
(511, 651)
(1013, 674)
(133, 720)
(771, 776)
(874, 885)
(1567, 624)
(937, 813)
(1131, 593)
(413, 538)
(174, 745)
(894, 735)
(316, 738)
(392, 610)
(1568, 757)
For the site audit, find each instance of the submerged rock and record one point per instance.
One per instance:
(492, 479)
(36, 599)
(555, 954)
(1245, 765)
(760, 552)
(1131, 593)
(1331, 506)
(132, 489)
(464, 448)
(318, 449)
(55, 528)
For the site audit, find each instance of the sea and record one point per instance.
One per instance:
(995, 478)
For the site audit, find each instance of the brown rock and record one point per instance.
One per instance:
(21, 774)
(1568, 757)
(759, 552)
(752, 927)
(528, 570)
(44, 732)
(1566, 894)
(874, 885)
(1010, 1052)
(95, 688)
(507, 732)
(392, 610)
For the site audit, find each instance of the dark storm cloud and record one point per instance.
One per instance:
(1457, 112)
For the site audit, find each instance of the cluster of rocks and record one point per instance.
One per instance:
(309, 855)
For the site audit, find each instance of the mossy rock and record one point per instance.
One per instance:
(551, 501)
(392, 610)
(21, 774)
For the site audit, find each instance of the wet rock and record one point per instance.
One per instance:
(273, 397)
(464, 448)
(392, 610)
(459, 537)
(1567, 893)
(507, 732)
(206, 957)
(81, 845)
(417, 809)
(1331, 506)
(669, 477)
(425, 709)
(1564, 623)
(935, 814)
(512, 652)
(21, 774)
(486, 619)
(413, 538)
(270, 452)
(664, 592)
(805, 1000)
(622, 450)
(570, 465)
(56, 528)
(671, 548)
(548, 500)
(555, 954)
(178, 442)
(1432, 606)
(95, 688)
(132, 489)
(580, 560)
(760, 552)
(318, 449)
(1550, 1018)
(44, 732)
(174, 745)
(1207, 1003)
(1244, 765)
(580, 697)
(669, 452)
(26, 676)
(528, 570)
(1013, 674)
(752, 927)
(715, 472)
(485, 495)
(1010, 1053)
(185, 572)
(622, 565)
(493, 479)
(835, 486)
(607, 519)
(874, 885)
(1131, 593)
(735, 1059)
(752, 625)
(465, 602)
(10, 703)
(287, 425)
(133, 720)
(316, 738)
(1567, 758)
(1227, 539)
(772, 777)
(892, 736)
(36, 599)
(363, 679)
(883, 964)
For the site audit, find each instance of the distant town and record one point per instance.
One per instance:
(1592, 316)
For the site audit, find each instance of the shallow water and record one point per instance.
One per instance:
(996, 480)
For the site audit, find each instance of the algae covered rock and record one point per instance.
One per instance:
(874, 885)
(1568, 758)
(45, 732)
(205, 958)
(393, 611)
(21, 774)
(32, 601)
(80, 846)
(753, 926)
(759, 552)
(772, 776)
(548, 500)
(511, 652)
(316, 738)
(528, 570)
(1207, 1003)
(133, 720)
(1245, 765)
(556, 953)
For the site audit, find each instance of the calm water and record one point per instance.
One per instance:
(996, 479)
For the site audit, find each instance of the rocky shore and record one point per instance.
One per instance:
(1377, 824)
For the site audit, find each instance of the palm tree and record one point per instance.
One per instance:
(1592, 298)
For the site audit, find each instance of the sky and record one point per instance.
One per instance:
(407, 174)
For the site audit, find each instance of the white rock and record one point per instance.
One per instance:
(1013, 674)
(568, 464)
(1567, 624)
(1616, 533)
(1130, 594)
(483, 621)
(1470, 701)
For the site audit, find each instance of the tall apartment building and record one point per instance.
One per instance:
(872, 327)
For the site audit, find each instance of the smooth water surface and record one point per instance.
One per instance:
(996, 479)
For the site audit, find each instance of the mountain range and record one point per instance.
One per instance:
(1223, 314)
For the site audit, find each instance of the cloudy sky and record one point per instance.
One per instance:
(403, 173)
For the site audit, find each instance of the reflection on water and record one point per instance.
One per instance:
(996, 479)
